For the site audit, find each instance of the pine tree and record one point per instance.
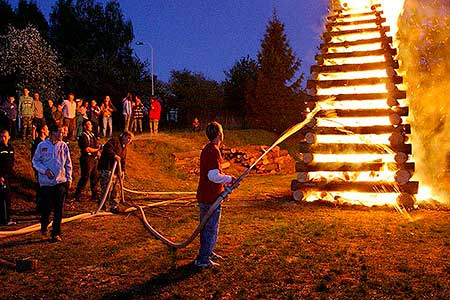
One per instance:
(277, 99)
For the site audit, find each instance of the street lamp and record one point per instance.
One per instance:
(139, 43)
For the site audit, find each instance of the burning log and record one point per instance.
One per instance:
(322, 57)
(307, 157)
(401, 157)
(378, 129)
(352, 167)
(369, 96)
(353, 82)
(355, 67)
(356, 31)
(395, 119)
(354, 148)
(340, 15)
(385, 40)
(406, 201)
(398, 111)
(410, 187)
(402, 176)
(358, 22)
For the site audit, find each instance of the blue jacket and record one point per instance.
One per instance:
(55, 157)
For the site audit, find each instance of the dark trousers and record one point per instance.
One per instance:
(12, 129)
(71, 124)
(88, 166)
(5, 203)
(52, 199)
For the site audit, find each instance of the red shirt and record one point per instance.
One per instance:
(210, 159)
(155, 110)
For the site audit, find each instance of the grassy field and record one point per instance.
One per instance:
(274, 248)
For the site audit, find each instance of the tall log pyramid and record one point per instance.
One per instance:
(356, 148)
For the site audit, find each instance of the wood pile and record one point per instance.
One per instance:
(277, 161)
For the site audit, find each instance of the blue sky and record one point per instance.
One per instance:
(209, 36)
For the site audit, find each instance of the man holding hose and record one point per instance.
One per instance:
(210, 186)
(114, 150)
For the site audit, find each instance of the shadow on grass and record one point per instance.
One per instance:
(23, 243)
(153, 286)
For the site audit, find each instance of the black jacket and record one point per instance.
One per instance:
(6, 160)
(112, 148)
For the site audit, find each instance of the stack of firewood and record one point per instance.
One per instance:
(276, 161)
(239, 159)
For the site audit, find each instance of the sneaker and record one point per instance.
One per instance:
(207, 265)
(44, 235)
(215, 256)
(11, 223)
(56, 238)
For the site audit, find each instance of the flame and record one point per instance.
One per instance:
(350, 31)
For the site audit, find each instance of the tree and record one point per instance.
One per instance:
(8, 16)
(195, 95)
(238, 84)
(94, 41)
(30, 61)
(29, 13)
(277, 100)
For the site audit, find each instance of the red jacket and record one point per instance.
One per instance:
(155, 110)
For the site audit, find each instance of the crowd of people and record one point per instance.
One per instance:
(31, 112)
(51, 127)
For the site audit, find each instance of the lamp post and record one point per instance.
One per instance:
(139, 43)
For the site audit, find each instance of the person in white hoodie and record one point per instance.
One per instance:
(127, 111)
(54, 166)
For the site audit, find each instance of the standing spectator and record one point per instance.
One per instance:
(58, 116)
(6, 171)
(81, 115)
(114, 150)
(90, 152)
(70, 111)
(42, 135)
(94, 113)
(154, 114)
(107, 109)
(138, 115)
(10, 108)
(49, 110)
(52, 161)
(38, 115)
(127, 110)
(196, 125)
(210, 186)
(26, 111)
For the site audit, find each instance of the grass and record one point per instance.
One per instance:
(274, 248)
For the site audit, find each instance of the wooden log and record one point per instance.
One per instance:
(410, 187)
(354, 67)
(338, 113)
(310, 138)
(302, 177)
(331, 55)
(397, 138)
(401, 157)
(353, 82)
(379, 129)
(351, 97)
(395, 119)
(402, 176)
(358, 31)
(351, 167)
(406, 201)
(298, 195)
(358, 22)
(307, 157)
(306, 148)
(385, 40)
(363, 14)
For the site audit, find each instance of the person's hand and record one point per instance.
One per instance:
(117, 158)
(49, 174)
(2, 180)
(69, 184)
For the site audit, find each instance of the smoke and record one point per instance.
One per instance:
(424, 48)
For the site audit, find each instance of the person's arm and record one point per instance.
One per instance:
(68, 165)
(37, 160)
(216, 177)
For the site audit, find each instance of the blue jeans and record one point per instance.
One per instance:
(107, 122)
(208, 236)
